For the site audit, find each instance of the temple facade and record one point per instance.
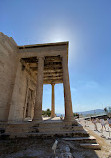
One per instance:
(23, 72)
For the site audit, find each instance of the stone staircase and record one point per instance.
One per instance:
(57, 128)
(94, 146)
(68, 131)
(89, 139)
(3, 135)
(46, 129)
(85, 142)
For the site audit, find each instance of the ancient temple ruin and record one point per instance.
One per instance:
(23, 71)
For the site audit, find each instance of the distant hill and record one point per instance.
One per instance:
(90, 112)
(95, 112)
(59, 114)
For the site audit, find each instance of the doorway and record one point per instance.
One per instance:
(29, 104)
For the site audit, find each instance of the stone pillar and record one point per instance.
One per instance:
(53, 101)
(39, 91)
(67, 92)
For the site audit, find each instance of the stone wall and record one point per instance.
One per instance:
(14, 82)
(23, 82)
(8, 62)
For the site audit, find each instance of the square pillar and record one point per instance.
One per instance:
(67, 93)
(39, 91)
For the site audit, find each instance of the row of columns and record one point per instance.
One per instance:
(39, 92)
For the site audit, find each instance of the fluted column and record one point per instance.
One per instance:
(67, 92)
(53, 102)
(39, 91)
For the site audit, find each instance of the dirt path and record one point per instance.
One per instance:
(105, 151)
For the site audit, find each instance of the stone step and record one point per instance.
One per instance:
(66, 132)
(45, 130)
(2, 130)
(57, 132)
(54, 123)
(90, 146)
(60, 128)
(4, 136)
(51, 134)
(3, 125)
(49, 125)
(19, 128)
(79, 138)
(90, 139)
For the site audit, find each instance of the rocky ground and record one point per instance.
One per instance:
(42, 148)
(102, 137)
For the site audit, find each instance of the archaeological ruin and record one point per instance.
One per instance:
(23, 72)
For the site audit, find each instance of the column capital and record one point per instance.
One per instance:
(41, 57)
(53, 84)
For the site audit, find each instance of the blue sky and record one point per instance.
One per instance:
(86, 25)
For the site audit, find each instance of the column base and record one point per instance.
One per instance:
(37, 119)
(69, 118)
(52, 116)
(16, 121)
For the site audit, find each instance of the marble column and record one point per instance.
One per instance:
(39, 91)
(53, 102)
(67, 92)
